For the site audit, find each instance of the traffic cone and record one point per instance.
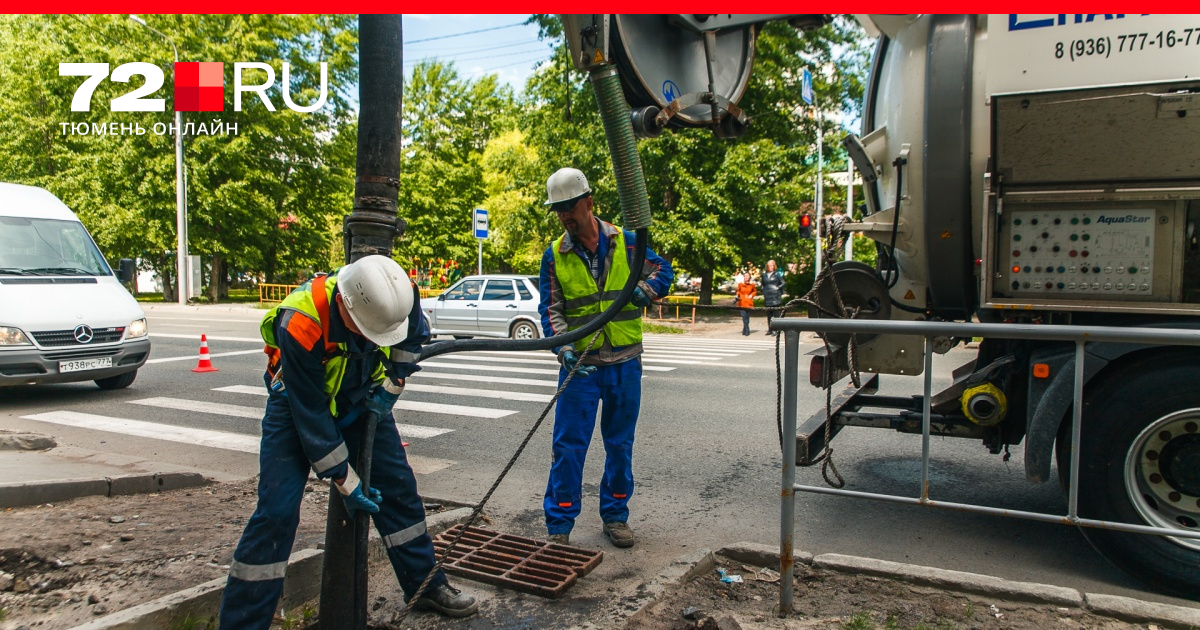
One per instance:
(205, 363)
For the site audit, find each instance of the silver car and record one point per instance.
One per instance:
(487, 306)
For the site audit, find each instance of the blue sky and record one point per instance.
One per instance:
(508, 50)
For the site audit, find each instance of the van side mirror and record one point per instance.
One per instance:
(125, 271)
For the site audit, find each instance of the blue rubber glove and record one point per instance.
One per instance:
(356, 496)
(640, 299)
(380, 401)
(568, 358)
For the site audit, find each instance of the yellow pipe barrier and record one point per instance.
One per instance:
(274, 293)
(678, 299)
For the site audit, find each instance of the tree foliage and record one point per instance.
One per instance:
(269, 200)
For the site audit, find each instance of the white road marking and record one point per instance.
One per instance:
(518, 370)
(481, 393)
(257, 340)
(243, 389)
(197, 437)
(455, 410)
(154, 430)
(417, 387)
(196, 357)
(484, 379)
(659, 347)
(488, 368)
(200, 406)
(645, 357)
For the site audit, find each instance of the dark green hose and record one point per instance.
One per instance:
(627, 165)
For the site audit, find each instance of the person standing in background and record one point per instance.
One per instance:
(772, 291)
(745, 300)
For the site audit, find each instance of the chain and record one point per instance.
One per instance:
(810, 299)
(496, 484)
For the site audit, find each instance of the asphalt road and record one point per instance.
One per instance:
(706, 460)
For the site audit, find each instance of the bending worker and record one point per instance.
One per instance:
(582, 271)
(330, 346)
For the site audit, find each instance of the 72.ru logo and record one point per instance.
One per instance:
(199, 86)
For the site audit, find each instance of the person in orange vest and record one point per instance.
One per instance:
(745, 300)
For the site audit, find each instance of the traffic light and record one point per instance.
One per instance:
(806, 226)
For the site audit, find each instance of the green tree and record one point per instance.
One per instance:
(260, 201)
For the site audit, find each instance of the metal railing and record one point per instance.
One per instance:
(274, 293)
(1080, 335)
(678, 301)
(431, 292)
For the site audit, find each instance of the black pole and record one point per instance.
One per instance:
(369, 229)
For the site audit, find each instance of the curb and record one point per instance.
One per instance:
(952, 580)
(1117, 607)
(301, 584)
(678, 573)
(23, 493)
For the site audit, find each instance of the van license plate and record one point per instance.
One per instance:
(84, 364)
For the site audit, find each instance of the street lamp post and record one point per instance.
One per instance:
(181, 251)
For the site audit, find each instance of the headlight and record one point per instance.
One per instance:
(136, 329)
(12, 337)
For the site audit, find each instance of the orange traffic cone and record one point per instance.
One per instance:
(205, 363)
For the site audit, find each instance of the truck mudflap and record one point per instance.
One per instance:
(811, 436)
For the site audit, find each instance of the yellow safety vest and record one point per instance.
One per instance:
(313, 298)
(583, 301)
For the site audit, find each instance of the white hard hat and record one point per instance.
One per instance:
(566, 184)
(379, 297)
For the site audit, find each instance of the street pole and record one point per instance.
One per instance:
(182, 277)
(479, 267)
(820, 167)
(849, 207)
(369, 229)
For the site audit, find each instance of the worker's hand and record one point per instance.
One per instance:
(569, 359)
(355, 495)
(380, 401)
(640, 299)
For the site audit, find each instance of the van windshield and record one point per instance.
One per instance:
(48, 247)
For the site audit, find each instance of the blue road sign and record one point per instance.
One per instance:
(806, 91)
(481, 223)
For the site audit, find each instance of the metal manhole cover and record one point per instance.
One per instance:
(523, 564)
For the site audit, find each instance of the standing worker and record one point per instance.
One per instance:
(339, 346)
(582, 271)
(772, 291)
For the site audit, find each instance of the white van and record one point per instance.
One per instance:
(64, 315)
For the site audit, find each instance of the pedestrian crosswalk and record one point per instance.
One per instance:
(449, 390)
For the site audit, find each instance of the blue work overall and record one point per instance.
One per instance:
(252, 595)
(620, 387)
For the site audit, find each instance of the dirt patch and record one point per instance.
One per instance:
(826, 599)
(68, 563)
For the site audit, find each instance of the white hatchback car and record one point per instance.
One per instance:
(487, 306)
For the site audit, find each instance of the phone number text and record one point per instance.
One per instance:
(1077, 49)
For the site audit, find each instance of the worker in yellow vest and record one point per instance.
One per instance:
(338, 347)
(582, 272)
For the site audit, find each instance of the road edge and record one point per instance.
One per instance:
(27, 493)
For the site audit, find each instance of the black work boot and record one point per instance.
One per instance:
(449, 601)
(619, 534)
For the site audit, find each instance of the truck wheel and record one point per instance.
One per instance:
(120, 381)
(1140, 464)
(523, 330)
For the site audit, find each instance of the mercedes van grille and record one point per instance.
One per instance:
(58, 338)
